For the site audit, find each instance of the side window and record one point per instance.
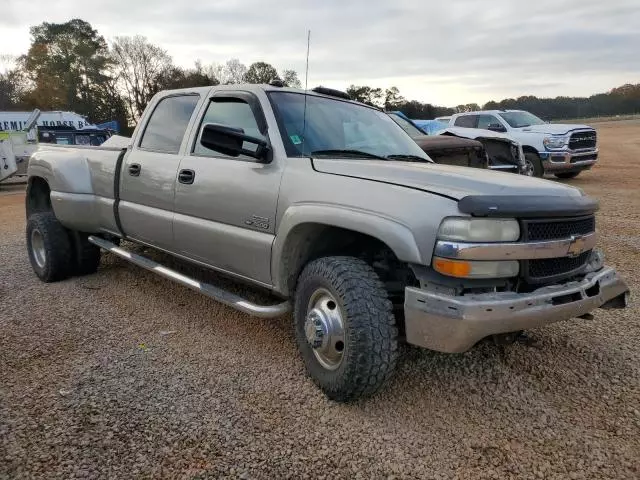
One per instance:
(485, 120)
(231, 112)
(468, 121)
(168, 123)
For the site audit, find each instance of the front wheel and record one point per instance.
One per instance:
(532, 165)
(566, 175)
(345, 328)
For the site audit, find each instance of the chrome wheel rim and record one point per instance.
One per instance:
(528, 168)
(324, 329)
(37, 248)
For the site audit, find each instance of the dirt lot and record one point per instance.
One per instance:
(122, 374)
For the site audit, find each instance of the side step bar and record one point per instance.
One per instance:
(222, 296)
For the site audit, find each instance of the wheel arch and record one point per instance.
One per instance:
(310, 231)
(38, 196)
(530, 149)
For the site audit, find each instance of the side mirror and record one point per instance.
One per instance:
(230, 141)
(496, 127)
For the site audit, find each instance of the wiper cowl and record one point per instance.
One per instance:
(410, 158)
(347, 153)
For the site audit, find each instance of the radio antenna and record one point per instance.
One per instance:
(306, 84)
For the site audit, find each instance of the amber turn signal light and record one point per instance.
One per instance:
(452, 268)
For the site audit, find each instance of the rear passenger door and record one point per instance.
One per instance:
(149, 171)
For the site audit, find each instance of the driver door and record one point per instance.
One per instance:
(225, 217)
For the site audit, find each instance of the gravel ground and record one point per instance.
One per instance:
(122, 374)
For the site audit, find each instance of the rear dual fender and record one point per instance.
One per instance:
(65, 170)
(81, 185)
(288, 242)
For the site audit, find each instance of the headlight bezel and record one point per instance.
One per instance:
(472, 230)
(555, 142)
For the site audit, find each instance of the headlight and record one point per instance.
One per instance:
(554, 142)
(467, 229)
(476, 269)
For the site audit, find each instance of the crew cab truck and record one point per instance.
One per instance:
(332, 208)
(563, 150)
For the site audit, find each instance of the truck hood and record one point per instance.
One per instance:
(438, 143)
(445, 180)
(554, 128)
(474, 133)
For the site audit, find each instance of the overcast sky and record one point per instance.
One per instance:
(447, 52)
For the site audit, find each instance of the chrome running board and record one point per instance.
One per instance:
(222, 296)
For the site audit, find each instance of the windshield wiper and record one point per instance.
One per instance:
(409, 158)
(348, 153)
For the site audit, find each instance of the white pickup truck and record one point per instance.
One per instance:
(560, 149)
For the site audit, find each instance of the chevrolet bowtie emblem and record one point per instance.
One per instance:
(576, 246)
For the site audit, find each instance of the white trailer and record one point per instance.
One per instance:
(8, 165)
(17, 146)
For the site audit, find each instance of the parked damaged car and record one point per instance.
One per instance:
(465, 146)
(503, 153)
(449, 150)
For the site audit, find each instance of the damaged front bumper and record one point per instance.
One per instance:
(454, 324)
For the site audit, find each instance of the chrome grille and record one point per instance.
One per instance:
(551, 268)
(580, 140)
(554, 269)
(536, 230)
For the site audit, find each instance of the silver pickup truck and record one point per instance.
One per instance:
(330, 206)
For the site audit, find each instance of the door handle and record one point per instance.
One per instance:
(186, 176)
(134, 169)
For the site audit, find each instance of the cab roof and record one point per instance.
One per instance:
(251, 87)
(480, 112)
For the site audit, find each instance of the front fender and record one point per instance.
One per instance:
(396, 235)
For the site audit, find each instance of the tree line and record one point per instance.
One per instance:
(623, 100)
(70, 66)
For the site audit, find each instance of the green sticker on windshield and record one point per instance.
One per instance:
(295, 139)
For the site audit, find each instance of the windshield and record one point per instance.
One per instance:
(521, 119)
(407, 126)
(336, 125)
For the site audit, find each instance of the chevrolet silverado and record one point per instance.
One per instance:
(335, 211)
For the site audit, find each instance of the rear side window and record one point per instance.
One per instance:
(468, 121)
(168, 123)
